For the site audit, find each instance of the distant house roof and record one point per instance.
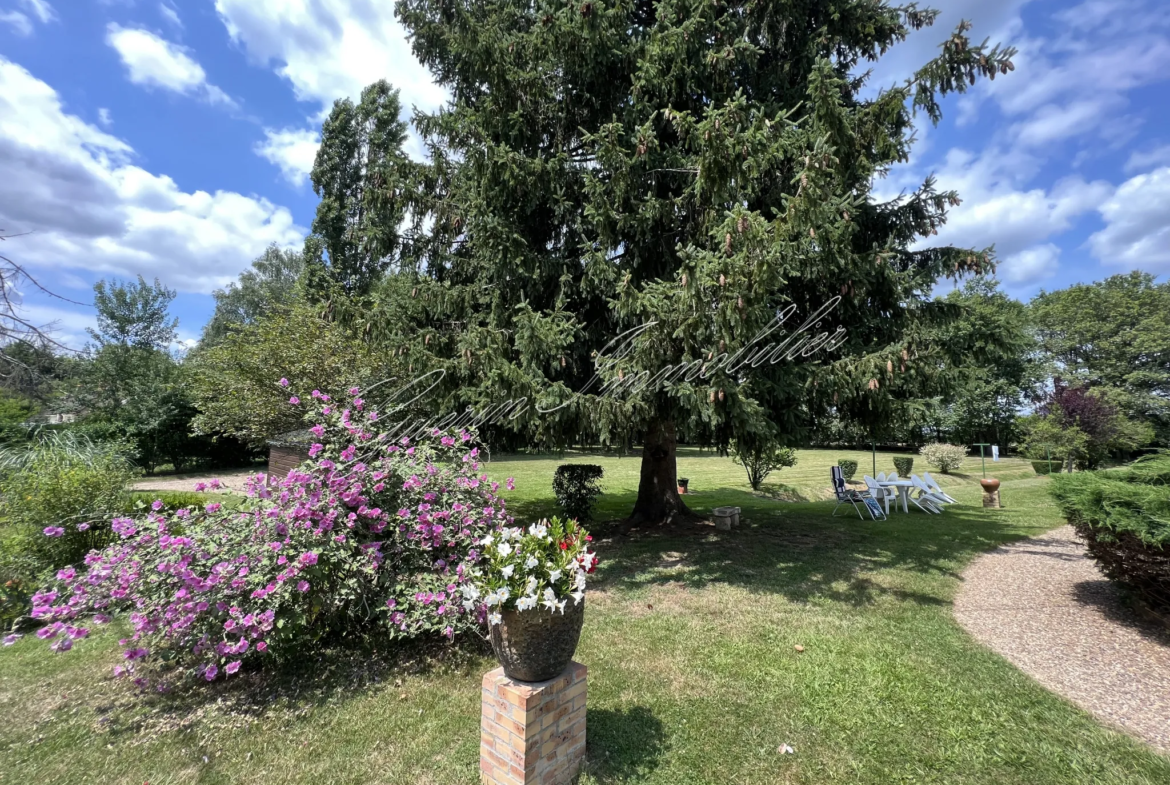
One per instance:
(299, 438)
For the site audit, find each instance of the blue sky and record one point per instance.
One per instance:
(172, 138)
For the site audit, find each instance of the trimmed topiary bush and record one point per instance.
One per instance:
(904, 464)
(944, 457)
(848, 468)
(577, 486)
(1125, 523)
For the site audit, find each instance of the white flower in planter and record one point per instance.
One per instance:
(526, 603)
(507, 571)
(532, 562)
(495, 618)
(504, 549)
(554, 576)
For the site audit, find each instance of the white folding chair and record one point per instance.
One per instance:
(933, 502)
(937, 489)
(892, 477)
(881, 477)
(881, 495)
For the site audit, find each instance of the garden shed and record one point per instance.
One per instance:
(287, 451)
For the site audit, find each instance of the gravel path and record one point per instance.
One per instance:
(233, 480)
(1043, 605)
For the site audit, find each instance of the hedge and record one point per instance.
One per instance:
(1124, 518)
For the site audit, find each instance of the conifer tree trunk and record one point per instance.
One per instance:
(658, 499)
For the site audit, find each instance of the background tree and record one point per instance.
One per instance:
(696, 165)
(29, 361)
(235, 383)
(1093, 427)
(358, 172)
(271, 282)
(1114, 334)
(131, 388)
(134, 315)
(1001, 377)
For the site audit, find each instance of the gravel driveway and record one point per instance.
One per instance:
(1044, 606)
(233, 479)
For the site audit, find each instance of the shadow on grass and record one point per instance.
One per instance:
(799, 551)
(623, 745)
(796, 550)
(289, 690)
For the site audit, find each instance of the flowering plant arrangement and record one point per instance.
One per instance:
(541, 568)
(370, 535)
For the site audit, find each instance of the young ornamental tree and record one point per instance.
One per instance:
(629, 208)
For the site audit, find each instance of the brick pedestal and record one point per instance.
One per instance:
(532, 733)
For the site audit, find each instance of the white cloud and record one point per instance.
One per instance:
(104, 117)
(170, 13)
(20, 24)
(330, 49)
(1146, 159)
(1137, 224)
(998, 209)
(68, 328)
(155, 62)
(1030, 266)
(292, 150)
(1075, 82)
(90, 208)
(40, 9)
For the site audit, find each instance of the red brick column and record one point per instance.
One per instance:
(532, 733)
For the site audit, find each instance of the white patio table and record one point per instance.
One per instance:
(903, 487)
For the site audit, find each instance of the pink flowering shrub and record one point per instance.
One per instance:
(366, 538)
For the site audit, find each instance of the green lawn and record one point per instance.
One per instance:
(694, 678)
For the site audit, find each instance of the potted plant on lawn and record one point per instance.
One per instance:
(682, 485)
(532, 582)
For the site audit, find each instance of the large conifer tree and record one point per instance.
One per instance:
(698, 164)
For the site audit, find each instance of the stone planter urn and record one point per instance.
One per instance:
(537, 645)
(990, 492)
(682, 485)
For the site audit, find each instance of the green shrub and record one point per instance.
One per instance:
(59, 481)
(760, 460)
(1041, 467)
(944, 457)
(577, 486)
(904, 465)
(1149, 470)
(848, 468)
(1126, 526)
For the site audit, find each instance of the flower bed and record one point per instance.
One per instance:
(368, 538)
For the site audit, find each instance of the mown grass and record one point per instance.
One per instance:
(694, 677)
